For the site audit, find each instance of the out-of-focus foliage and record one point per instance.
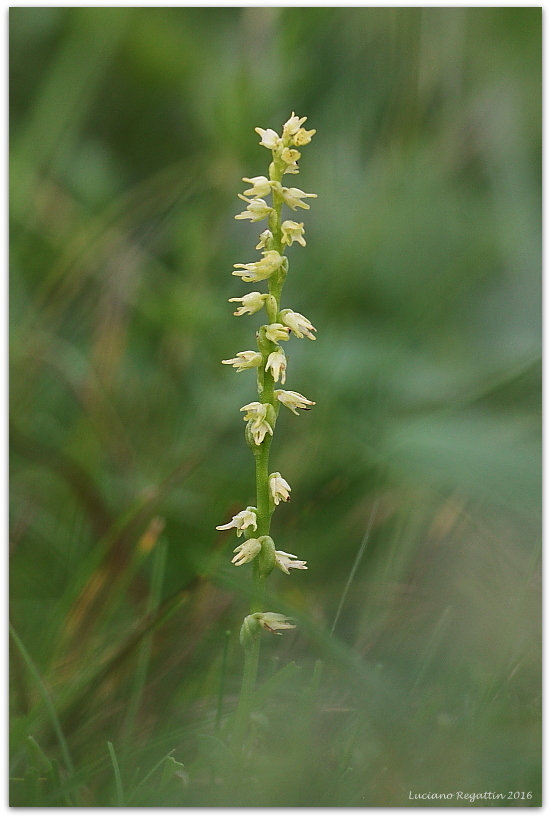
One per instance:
(130, 131)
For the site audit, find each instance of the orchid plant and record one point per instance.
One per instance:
(270, 362)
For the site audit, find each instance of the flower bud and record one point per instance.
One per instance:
(250, 631)
(266, 556)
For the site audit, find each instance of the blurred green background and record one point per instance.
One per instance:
(130, 131)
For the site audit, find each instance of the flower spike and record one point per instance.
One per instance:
(265, 197)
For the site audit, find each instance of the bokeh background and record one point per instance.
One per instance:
(416, 479)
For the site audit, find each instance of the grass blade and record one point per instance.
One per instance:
(118, 779)
(33, 670)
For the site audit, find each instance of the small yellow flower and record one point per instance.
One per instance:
(291, 158)
(290, 155)
(292, 231)
(303, 137)
(245, 360)
(277, 332)
(277, 362)
(293, 400)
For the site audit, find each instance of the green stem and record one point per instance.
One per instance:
(248, 684)
(223, 672)
(264, 504)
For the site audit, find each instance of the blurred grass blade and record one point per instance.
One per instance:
(356, 564)
(117, 771)
(151, 772)
(433, 644)
(38, 756)
(46, 698)
(144, 651)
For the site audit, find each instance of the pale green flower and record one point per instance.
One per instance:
(256, 413)
(285, 561)
(257, 209)
(242, 521)
(293, 400)
(277, 362)
(292, 231)
(292, 197)
(277, 332)
(279, 488)
(261, 186)
(247, 551)
(293, 124)
(252, 302)
(245, 360)
(260, 270)
(273, 621)
(269, 138)
(298, 324)
(290, 155)
(264, 238)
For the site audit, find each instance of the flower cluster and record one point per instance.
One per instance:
(269, 360)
